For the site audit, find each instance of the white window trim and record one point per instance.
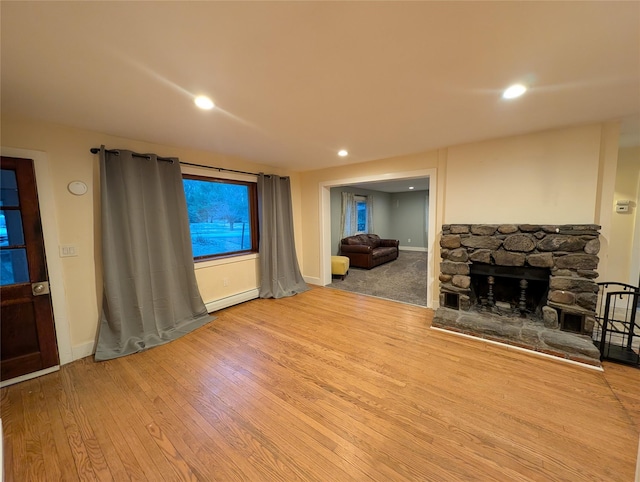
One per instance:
(224, 261)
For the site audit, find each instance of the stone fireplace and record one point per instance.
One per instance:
(527, 285)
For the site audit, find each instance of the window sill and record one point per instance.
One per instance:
(224, 261)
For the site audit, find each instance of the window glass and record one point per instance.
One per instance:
(13, 256)
(4, 235)
(11, 233)
(222, 216)
(361, 209)
(13, 266)
(9, 187)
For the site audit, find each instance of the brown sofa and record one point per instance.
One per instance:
(368, 250)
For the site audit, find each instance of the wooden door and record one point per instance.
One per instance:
(26, 319)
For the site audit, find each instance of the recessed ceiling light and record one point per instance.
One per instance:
(343, 153)
(204, 102)
(513, 91)
(410, 187)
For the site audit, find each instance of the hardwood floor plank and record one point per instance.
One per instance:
(240, 433)
(92, 447)
(51, 385)
(271, 350)
(171, 453)
(79, 452)
(323, 390)
(209, 453)
(401, 436)
(288, 437)
(34, 455)
(11, 425)
(307, 399)
(119, 459)
(131, 418)
(44, 463)
(625, 384)
(324, 385)
(326, 442)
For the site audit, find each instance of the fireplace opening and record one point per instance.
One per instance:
(507, 290)
(573, 322)
(452, 300)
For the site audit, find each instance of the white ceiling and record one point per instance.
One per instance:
(297, 81)
(399, 185)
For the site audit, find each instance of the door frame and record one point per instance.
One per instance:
(325, 221)
(46, 203)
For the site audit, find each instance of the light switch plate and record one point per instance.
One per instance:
(68, 250)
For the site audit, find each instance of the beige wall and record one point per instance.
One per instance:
(560, 176)
(623, 267)
(77, 217)
(544, 178)
(310, 183)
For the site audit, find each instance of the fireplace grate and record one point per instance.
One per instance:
(617, 331)
(518, 290)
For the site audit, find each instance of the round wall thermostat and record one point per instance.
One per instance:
(77, 187)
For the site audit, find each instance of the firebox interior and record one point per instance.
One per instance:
(506, 287)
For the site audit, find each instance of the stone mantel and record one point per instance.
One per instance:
(568, 252)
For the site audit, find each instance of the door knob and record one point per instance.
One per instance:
(41, 288)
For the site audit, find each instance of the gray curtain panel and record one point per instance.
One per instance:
(279, 271)
(150, 291)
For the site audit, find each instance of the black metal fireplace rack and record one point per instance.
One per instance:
(617, 330)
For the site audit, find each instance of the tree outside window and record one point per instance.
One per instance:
(361, 210)
(222, 216)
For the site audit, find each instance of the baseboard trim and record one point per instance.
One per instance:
(232, 300)
(83, 350)
(312, 280)
(520, 349)
(29, 376)
(412, 248)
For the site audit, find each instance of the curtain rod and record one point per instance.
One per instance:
(95, 150)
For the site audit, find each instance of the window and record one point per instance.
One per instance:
(361, 210)
(223, 216)
(4, 238)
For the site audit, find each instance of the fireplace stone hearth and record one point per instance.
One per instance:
(532, 286)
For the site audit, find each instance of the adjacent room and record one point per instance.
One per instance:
(320, 241)
(397, 210)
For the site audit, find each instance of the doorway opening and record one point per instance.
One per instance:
(326, 242)
(54, 265)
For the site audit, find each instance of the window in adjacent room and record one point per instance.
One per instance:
(361, 211)
(223, 216)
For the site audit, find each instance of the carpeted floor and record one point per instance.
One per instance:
(404, 279)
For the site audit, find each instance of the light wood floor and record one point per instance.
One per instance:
(326, 386)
